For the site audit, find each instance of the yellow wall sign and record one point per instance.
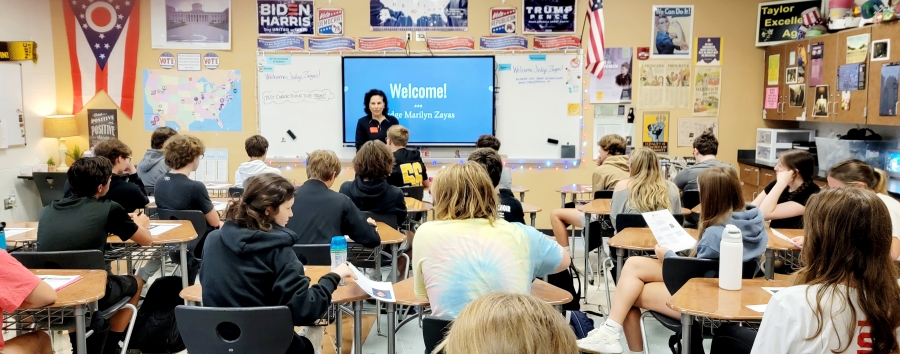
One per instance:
(18, 51)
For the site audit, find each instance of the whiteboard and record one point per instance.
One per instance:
(12, 122)
(304, 94)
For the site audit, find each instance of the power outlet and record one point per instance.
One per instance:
(10, 202)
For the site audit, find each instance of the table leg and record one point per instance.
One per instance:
(770, 264)
(392, 331)
(129, 267)
(378, 274)
(394, 270)
(620, 258)
(533, 218)
(357, 327)
(584, 236)
(338, 327)
(184, 264)
(80, 329)
(522, 197)
(687, 322)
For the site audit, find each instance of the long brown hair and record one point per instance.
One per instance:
(855, 171)
(499, 323)
(464, 191)
(803, 164)
(848, 242)
(648, 190)
(720, 195)
(263, 194)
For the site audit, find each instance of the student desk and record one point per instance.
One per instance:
(574, 190)
(350, 293)
(393, 237)
(218, 189)
(533, 210)
(777, 244)
(519, 189)
(129, 250)
(702, 297)
(27, 238)
(417, 206)
(405, 293)
(77, 296)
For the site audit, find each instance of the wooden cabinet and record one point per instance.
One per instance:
(749, 181)
(789, 111)
(885, 31)
(821, 184)
(766, 177)
(771, 53)
(828, 78)
(856, 113)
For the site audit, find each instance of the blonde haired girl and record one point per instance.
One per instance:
(646, 190)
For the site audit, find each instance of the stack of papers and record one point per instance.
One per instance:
(10, 231)
(757, 308)
(57, 282)
(159, 229)
(783, 237)
(219, 206)
(217, 185)
(668, 231)
(380, 290)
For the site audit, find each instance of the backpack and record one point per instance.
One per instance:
(563, 280)
(155, 329)
(581, 324)
(696, 340)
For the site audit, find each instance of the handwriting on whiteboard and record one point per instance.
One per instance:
(269, 97)
(299, 77)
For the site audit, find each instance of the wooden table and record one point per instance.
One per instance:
(594, 207)
(521, 190)
(350, 293)
(533, 210)
(702, 297)
(393, 237)
(181, 235)
(405, 294)
(415, 206)
(79, 296)
(29, 236)
(574, 190)
(777, 244)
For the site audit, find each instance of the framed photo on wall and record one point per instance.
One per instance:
(190, 24)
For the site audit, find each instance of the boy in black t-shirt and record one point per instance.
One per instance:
(409, 170)
(510, 208)
(83, 222)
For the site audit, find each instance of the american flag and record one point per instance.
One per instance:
(103, 44)
(595, 41)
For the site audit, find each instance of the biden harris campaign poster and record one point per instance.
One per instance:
(419, 15)
(286, 17)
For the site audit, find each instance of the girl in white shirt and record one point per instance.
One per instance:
(855, 173)
(846, 298)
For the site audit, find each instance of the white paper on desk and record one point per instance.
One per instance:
(380, 290)
(152, 199)
(758, 308)
(10, 231)
(159, 229)
(217, 185)
(667, 231)
(219, 206)
(427, 197)
(783, 237)
(58, 282)
(773, 289)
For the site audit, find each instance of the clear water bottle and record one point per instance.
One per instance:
(338, 253)
(3, 235)
(731, 255)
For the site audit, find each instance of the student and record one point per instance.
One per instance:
(706, 146)
(176, 191)
(612, 167)
(500, 323)
(409, 170)
(321, 213)
(844, 299)
(23, 290)
(125, 187)
(646, 190)
(153, 164)
(510, 207)
(83, 222)
(641, 284)
(784, 200)
(249, 261)
(468, 252)
(256, 147)
(855, 173)
(369, 191)
(374, 125)
(490, 141)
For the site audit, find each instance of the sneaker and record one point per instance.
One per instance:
(600, 341)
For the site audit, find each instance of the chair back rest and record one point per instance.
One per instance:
(235, 192)
(434, 329)
(604, 194)
(690, 199)
(624, 221)
(149, 190)
(50, 185)
(678, 270)
(389, 219)
(90, 259)
(416, 193)
(313, 255)
(235, 330)
(197, 219)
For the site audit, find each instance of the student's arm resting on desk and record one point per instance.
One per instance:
(768, 200)
(201, 196)
(547, 256)
(779, 332)
(354, 224)
(21, 288)
(128, 227)
(307, 302)
(142, 236)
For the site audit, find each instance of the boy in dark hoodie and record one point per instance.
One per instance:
(369, 190)
(153, 164)
(249, 261)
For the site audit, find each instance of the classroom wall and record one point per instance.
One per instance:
(628, 23)
(29, 21)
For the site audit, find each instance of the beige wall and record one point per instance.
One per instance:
(628, 23)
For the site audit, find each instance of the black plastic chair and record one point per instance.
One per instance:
(235, 330)
(389, 219)
(50, 185)
(690, 199)
(434, 329)
(604, 194)
(149, 190)
(198, 221)
(624, 221)
(313, 255)
(90, 259)
(235, 192)
(677, 271)
(416, 193)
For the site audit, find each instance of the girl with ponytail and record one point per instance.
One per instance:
(784, 201)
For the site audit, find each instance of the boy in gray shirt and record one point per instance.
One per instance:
(706, 146)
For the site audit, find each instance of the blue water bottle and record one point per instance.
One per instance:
(338, 253)
(3, 235)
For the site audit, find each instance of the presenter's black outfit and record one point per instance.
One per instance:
(368, 128)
